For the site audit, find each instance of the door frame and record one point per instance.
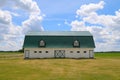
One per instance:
(59, 53)
(27, 53)
(91, 54)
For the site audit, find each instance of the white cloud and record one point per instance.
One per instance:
(78, 26)
(12, 35)
(2, 2)
(90, 8)
(27, 5)
(59, 24)
(66, 22)
(15, 14)
(105, 28)
(9, 33)
(5, 17)
(32, 24)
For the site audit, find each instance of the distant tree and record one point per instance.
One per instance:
(21, 50)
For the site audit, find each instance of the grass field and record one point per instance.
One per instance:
(105, 66)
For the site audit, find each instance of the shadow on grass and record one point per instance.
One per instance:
(59, 58)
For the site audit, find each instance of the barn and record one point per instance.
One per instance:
(59, 44)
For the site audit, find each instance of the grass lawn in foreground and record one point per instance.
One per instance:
(105, 66)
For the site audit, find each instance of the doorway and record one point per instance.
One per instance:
(59, 53)
(91, 55)
(27, 53)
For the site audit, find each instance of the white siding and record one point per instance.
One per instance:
(68, 53)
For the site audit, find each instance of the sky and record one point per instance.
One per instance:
(100, 17)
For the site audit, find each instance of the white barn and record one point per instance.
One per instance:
(64, 44)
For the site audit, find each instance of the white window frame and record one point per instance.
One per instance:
(42, 43)
(76, 43)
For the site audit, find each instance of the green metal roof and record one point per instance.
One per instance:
(62, 39)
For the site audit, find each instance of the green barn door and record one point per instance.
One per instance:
(59, 53)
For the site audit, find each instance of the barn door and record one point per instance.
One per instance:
(27, 53)
(91, 55)
(59, 53)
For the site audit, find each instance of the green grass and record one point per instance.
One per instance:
(105, 66)
(108, 55)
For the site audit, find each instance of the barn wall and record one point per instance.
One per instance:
(32, 54)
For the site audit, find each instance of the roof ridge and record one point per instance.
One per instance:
(60, 33)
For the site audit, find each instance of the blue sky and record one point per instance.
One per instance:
(100, 17)
(58, 11)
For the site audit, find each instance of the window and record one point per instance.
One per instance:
(85, 51)
(76, 43)
(35, 51)
(78, 51)
(42, 43)
(71, 51)
(46, 51)
(40, 51)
